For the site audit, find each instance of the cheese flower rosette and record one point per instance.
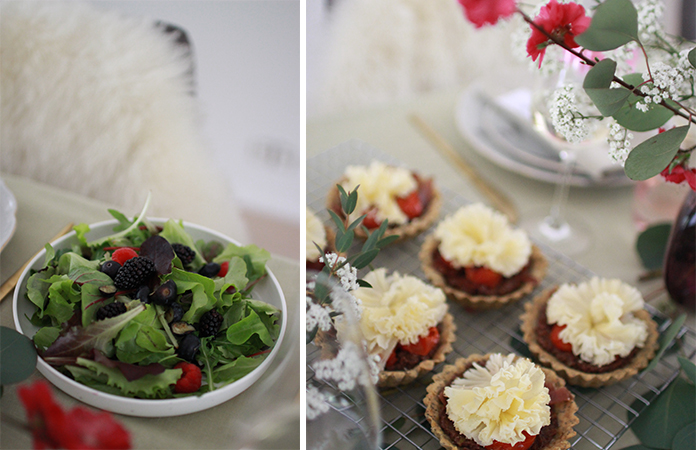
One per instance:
(379, 186)
(499, 401)
(476, 235)
(397, 309)
(598, 319)
(316, 236)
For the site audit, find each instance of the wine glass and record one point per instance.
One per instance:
(340, 373)
(556, 227)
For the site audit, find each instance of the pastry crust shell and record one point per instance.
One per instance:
(537, 272)
(406, 231)
(565, 411)
(393, 378)
(576, 377)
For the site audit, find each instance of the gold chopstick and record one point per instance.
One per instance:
(11, 282)
(498, 200)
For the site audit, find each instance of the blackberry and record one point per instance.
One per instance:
(210, 323)
(185, 253)
(111, 310)
(134, 272)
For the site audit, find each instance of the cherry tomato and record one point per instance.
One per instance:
(483, 276)
(522, 445)
(425, 344)
(411, 205)
(123, 254)
(557, 341)
(391, 360)
(370, 221)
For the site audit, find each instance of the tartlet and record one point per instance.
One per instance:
(406, 325)
(576, 362)
(317, 234)
(561, 414)
(411, 203)
(481, 240)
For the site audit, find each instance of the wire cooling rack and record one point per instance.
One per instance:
(605, 413)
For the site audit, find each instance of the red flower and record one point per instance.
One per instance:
(563, 21)
(679, 174)
(481, 12)
(79, 428)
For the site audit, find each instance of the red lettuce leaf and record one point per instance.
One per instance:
(160, 251)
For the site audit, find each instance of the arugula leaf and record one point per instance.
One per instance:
(143, 341)
(202, 288)
(241, 331)
(77, 341)
(81, 270)
(235, 370)
(254, 257)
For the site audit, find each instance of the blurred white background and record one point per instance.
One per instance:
(247, 71)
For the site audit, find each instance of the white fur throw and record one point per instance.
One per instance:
(98, 103)
(381, 51)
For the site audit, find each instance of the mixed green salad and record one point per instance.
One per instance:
(148, 312)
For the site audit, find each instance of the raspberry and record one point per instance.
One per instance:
(190, 380)
(134, 272)
(224, 267)
(210, 323)
(123, 254)
(111, 310)
(185, 253)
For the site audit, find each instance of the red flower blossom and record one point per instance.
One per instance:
(679, 174)
(79, 428)
(481, 12)
(563, 21)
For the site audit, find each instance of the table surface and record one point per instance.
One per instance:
(264, 416)
(607, 211)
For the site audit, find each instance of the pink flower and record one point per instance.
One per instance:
(481, 12)
(679, 174)
(562, 21)
(79, 428)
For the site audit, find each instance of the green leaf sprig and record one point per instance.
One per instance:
(345, 235)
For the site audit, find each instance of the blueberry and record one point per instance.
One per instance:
(174, 313)
(210, 270)
(110, 268)
(165, 294)
(188, 347)
(142, 294)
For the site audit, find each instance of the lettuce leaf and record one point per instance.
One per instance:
(241, 331)
(143, 341)
(148, 386)
(202, 288)
(82, 271)
(45, 337)
(78, 340)
(227, 373)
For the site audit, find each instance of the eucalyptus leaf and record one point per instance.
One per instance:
(671, 411)
(356, 223)
(614, 23)
(632, 118)
(651, 245)
(345, 241)
(651, 156)
(597, 84)
(352, 201)
(365, 258)
(692, 57)
(689, 369)
(337, 220)
(685, 439)
(312, 334)
(17, 356)
(666, 339)
(387, 240)
(363, 283)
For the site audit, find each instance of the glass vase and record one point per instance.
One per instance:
(679, 264)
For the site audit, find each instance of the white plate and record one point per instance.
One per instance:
(267, 290)
(8, 209)
(502, 138)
